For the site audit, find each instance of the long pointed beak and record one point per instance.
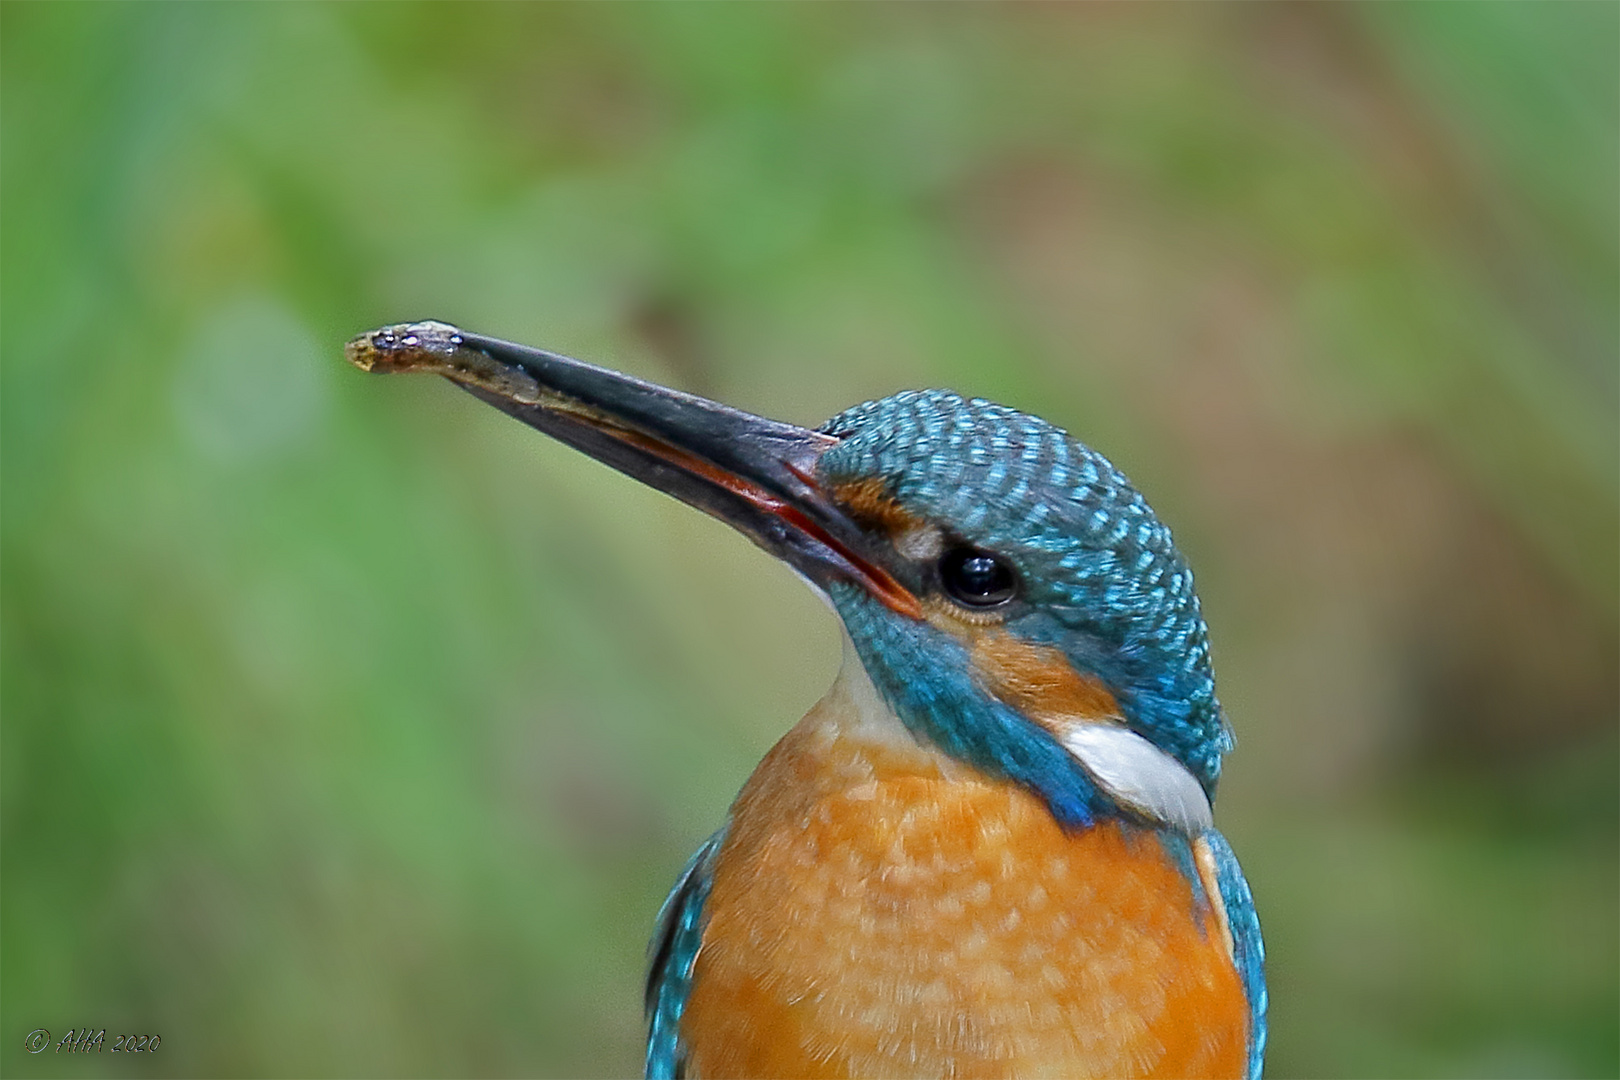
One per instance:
(758, 475)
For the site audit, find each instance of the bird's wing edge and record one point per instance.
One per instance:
(672, 953)
(1248, 948)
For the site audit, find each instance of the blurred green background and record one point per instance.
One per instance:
(350, 728)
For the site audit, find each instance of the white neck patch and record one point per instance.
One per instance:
(1129, 769)
(1139, 776)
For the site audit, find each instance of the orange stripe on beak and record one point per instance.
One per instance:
(878, 581)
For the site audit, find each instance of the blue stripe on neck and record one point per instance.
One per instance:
(926, 676)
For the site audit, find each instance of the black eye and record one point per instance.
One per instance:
(977, 578)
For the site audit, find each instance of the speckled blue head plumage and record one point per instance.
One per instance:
(1087, 680)
(1102, 579)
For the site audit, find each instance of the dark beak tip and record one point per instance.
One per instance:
(418, 346)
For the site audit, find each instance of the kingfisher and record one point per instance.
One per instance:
(989, 850)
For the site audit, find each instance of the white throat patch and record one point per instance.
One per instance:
(1139, 776)
(1127, 767)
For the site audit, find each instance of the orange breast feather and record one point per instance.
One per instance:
(878, 911)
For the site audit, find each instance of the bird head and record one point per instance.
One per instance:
(1010, 594)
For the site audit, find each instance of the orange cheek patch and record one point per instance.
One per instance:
(1039, 681)
(869, 502)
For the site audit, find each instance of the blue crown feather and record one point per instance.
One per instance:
(1103, 579)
